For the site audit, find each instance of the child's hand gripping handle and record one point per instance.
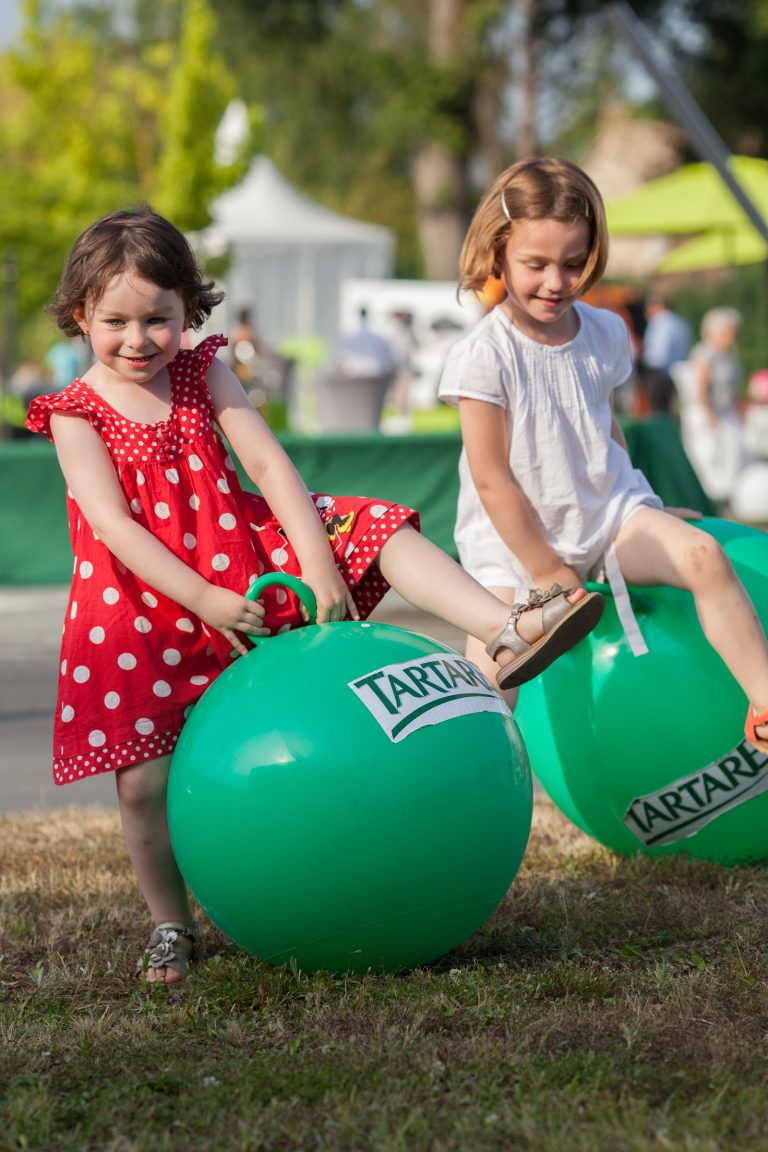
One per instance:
(302, 590)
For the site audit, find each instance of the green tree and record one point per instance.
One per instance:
(104, 108)
(401, 110)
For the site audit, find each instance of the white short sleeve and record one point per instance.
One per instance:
(475, 370)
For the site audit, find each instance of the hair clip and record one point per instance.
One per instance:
(504, 208)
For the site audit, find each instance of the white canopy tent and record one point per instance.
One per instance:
(289, 255)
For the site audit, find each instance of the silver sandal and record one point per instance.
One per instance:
(564, 626)
(171, 945)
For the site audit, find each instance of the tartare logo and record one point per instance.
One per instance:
(429, 690)
(688, 804)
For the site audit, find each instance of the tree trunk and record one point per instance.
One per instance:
(438, 178)
(526, 145)
(439, 174)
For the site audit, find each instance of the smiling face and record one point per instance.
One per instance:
(135, 328)
(542, 262)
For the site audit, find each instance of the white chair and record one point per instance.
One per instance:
(350, 403)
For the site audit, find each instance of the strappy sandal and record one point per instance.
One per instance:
(564, 626)
(171, 945)
(753, 722)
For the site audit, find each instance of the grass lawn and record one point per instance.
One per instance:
(608, 1004)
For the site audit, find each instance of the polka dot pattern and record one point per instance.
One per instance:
(133, 661)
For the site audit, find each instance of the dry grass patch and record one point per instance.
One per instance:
(608, 1004)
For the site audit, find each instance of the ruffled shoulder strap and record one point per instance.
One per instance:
(75, 399)
(207, 349)
(189, 368)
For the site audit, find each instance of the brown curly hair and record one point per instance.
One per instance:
(145, 242)
(537, 189)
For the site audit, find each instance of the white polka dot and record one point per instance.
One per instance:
(198, 679)
(171, 656)
(96, 739)
(110, 595)
(220, 562)
(112, 700)
(195, 462)
(141, 624)
(96, 635)
(149, 599)
(161, 688)
(194, 502)
(229, 463)
(222, 484)
(81, 674)
(378, 509)
(139, 477)
(86, 569)
(127, 661)
(67, 713)
(281, 595)
(73, 610)
(162, 510)
(189, 540)
(184, 624)
(144, 726)
(172, 475)
(136, 506)
(63, 667)
(279, 556)
(227, 521)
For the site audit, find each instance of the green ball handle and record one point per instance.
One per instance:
(302, 590)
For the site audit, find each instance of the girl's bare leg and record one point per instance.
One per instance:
(141, 793)
(654, 547)
(429, 579)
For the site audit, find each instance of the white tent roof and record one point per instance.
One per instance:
(267, 208)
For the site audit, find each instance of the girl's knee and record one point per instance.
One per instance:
(143, 786)
(705, 560)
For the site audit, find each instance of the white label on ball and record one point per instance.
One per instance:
(689, 804)
(428, 690)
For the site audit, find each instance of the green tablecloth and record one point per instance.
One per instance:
(420, 471)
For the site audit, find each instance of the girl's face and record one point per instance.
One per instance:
(135, 327)
(542, 262)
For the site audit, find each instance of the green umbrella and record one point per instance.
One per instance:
(717, 249)
(694, 202)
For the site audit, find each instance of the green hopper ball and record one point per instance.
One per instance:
(349, 796)
(647, 753)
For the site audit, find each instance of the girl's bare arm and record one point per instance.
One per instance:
(90, 475)
(267, 464)
(485, 436)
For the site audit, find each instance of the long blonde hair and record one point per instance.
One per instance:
(536, 189)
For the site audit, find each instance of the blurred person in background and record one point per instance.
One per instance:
(709, 386)
(667, 337)
(363, 352)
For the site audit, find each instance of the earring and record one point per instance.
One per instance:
(493, 291)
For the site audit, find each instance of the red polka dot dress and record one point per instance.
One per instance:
(133, 661)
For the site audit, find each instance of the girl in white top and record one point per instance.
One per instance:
(547, 490)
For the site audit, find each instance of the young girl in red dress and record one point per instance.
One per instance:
(166, 542)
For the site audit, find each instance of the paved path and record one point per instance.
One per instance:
(30, 632)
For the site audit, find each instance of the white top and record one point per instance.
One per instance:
(580, 482)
